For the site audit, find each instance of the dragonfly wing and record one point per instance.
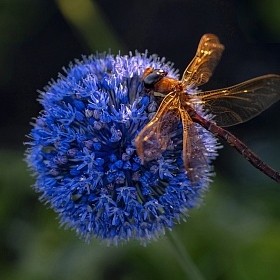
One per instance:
(207, 56)
(154, 138)
(241, 102)
(194, 151)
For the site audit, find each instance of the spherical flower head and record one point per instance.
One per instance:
(82, 152)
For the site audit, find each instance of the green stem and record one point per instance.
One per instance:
(180, 253)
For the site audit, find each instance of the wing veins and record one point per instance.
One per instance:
(207, 56)
(152, 129)
(194, 151)
(240, 103)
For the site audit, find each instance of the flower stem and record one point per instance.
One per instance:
(180, 253)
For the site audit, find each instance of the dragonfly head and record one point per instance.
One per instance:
(151, 76)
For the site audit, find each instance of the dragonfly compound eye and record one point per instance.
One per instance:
(151, 79)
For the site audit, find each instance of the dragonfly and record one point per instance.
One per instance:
(230, 106)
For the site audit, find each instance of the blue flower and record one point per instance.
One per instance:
(82, 152)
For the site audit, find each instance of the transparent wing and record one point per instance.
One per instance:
(194, 151)
(207, 56)
(241, 102)
(154, 138)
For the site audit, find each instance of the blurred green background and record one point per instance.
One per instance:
(236, 233)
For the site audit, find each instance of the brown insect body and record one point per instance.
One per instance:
(231, 106)
(166, 85)
(159, 83)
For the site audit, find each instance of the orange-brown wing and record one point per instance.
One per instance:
(194, 151)
(154, 138)
(241, 102)
(207, 56)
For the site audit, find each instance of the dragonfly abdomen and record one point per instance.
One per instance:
(235, 143)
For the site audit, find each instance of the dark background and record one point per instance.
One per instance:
(37, 41)
(39, 37)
